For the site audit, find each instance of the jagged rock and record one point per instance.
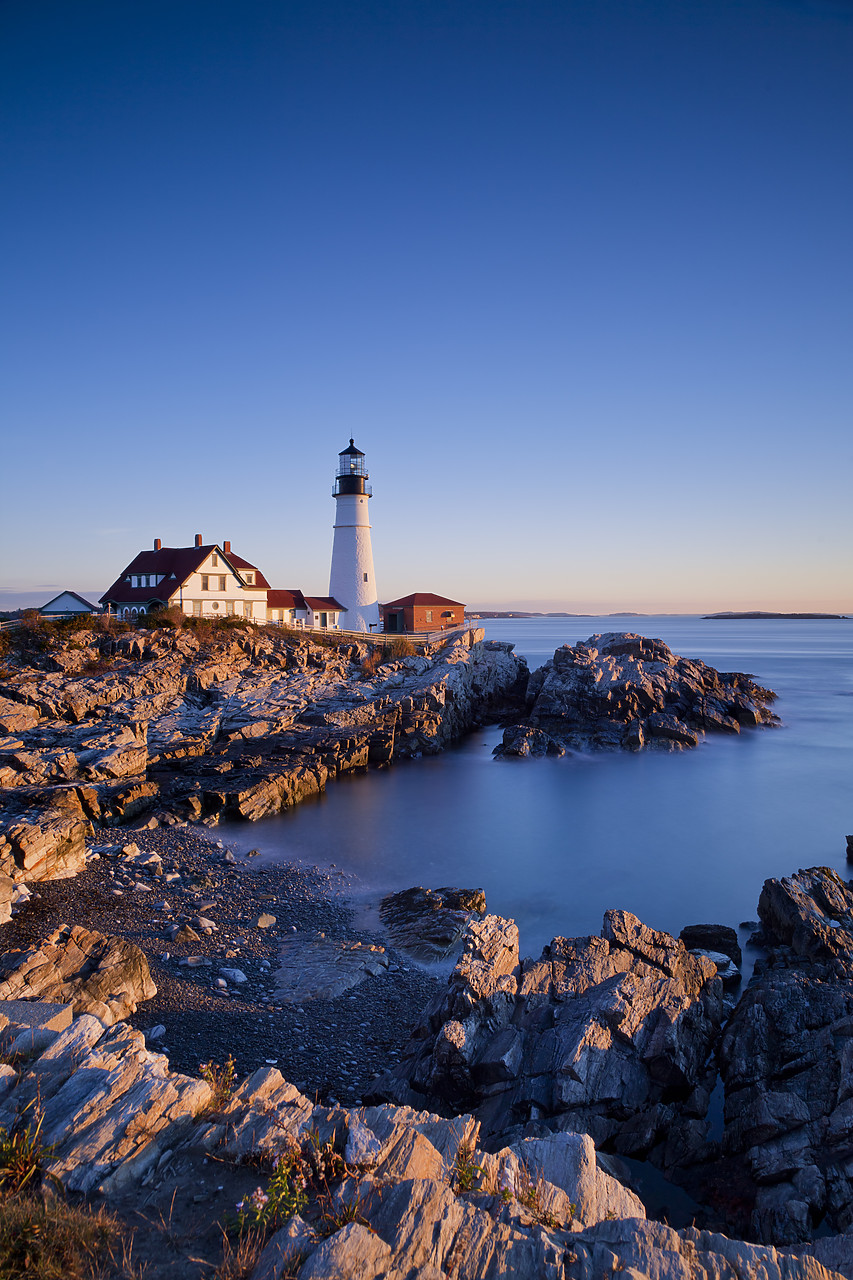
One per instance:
(565, 1161)
(110, 1108)
(785, 1060)
(7, 889)
(284, 1250)
(113, 1112)
(608, 1036)
(620, 690)
(713, 937)
(525, 740)
(103, 976)
(353, 1253)
(429, 923)
(44, 841)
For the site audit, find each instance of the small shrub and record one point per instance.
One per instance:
(285, 1195)
(220, 1079)
(371, 662)
(161, 619)
(530, 1196)
(240, 1258)
(97, 667)
(332, 1221)
(402, 647)
(466, 1171)
(22, 1158)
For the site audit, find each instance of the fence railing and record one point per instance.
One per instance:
(377, 637)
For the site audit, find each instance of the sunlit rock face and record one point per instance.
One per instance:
(385, 1191)
(624, 691)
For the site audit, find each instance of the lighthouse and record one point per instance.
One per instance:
(352, 580)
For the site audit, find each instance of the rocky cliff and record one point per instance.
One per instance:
(170, 726)
(621, 690)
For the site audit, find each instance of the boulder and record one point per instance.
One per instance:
(610, 1036)
(525, 740)
(429, 923)
(713, 937)
(107, 977)
(785, 1060)
(624, 691)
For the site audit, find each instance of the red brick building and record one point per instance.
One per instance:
(421, 611)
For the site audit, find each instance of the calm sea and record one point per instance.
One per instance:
(678, 839)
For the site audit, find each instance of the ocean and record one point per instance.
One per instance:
(678, 839)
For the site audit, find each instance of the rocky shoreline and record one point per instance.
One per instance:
(505, 1140)
(190, 1020)
(333, 1047)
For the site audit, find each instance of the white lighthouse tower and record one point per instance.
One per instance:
(352, 581)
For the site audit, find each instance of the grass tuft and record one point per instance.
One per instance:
(52, 1240)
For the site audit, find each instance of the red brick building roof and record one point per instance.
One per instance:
(282, 599)
(422, 598)
(327, 604)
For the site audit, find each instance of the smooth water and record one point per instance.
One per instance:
(676, 838)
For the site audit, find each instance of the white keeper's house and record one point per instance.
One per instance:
(210, 581)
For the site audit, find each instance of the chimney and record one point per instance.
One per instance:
(226, 547)
(157, 544)
(198, 539)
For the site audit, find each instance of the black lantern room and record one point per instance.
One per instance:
(351, 474)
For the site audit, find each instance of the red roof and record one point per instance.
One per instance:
(327, 604)
(238, 563)
(285, 599)
(175, 564)
(421, 597)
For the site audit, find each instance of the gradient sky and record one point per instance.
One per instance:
(576, 274)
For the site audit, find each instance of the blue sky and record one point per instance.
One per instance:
(576, 275)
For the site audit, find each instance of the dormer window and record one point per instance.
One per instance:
(250, 578)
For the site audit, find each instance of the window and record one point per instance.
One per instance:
(229, 607)
(214, 560)
(205, 582)
(222, 582)
(196, 608)
(365, 577)
(429, 615)
(250, 578)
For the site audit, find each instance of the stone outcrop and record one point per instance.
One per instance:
(411, 1192)
(429, 923)
(107, 977)
(620, 690)
(604, 1035)
(786, 1058)
(43, 836)
(158, 726)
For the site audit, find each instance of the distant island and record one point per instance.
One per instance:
(518, 613)
(758, 613)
